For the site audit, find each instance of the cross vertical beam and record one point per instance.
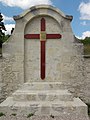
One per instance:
(43, 59)
(43, 46)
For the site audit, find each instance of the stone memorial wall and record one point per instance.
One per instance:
(64, 57)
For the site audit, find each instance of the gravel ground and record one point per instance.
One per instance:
(42, 118)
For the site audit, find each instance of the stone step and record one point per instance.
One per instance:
(68, 108)
(44, 95)
(43, 86)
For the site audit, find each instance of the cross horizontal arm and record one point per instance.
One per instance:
(53, 36)
(32, 36)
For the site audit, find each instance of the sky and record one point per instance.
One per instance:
(79, 9)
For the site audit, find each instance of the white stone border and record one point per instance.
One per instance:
(43, 7)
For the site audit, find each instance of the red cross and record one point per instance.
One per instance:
(42, 36)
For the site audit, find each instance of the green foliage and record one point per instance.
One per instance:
(52, 116)
(30, 115)
(13, 114)
(88, 104)
(2, 114)
(0, 51)
(3, 38)
(87, 49)
(86, 41)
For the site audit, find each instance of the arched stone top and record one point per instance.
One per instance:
(44, 7)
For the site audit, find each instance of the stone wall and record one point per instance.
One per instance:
(8, 77)
(87, 79)
(0, 78)
(79, 84)
(74, 73)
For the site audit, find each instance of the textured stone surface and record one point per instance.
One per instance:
(42, 95)
(74, 108)
(0, 80)
(9, 76)
(42, 86)
(86, 89)
(43, 91)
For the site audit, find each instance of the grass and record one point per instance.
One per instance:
(30, 115)
(87, 49)
(2, 114)
(86, 43)
(13, 114)
(0, 51)
(52, 116)
(88, 104)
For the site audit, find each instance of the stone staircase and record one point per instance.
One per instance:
(44, 99)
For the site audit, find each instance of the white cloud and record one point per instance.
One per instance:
(84, 9)
(84, 23)
(78, 37)
(24, 4)
(84, 35)
(6, 18)
(9, 28)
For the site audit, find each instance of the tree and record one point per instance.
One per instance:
(2, 27)
(2, 35)
(86, 43)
